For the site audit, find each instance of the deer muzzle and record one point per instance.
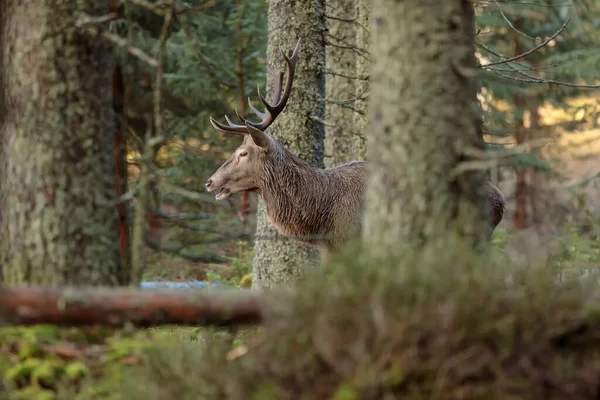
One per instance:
(221, 193)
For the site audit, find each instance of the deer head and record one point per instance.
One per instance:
(242, 171)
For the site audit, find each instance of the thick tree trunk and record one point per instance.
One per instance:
(340, 130)
(58, 221)
(298, 128)
(363, 66)
(423, 114)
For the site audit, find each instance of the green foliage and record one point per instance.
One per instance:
(239, 270)
(572, 57)
(46, 362)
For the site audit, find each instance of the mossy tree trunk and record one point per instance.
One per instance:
(423, 114)
(340, 129)
(299, 128)
(58, 220)
(363, 65)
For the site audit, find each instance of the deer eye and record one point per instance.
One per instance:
(243, 154)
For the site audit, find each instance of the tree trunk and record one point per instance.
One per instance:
(58, 220)
(423, 114)
(299, 128)
(363, 66)
(340, 130)
(520, 217)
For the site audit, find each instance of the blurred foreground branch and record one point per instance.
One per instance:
(122, 307)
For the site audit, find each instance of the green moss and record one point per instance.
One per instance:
(47, 373)
(346, 392)
(266, 391)
(20, 373)
(76, 371)
(395, 375)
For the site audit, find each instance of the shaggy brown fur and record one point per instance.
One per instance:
(320, 207)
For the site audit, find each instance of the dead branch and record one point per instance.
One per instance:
(536, 48)
(360, 78)
(360, 52)
(123, 307)
(535, 79)
(178, 249)
(192, 195)
(124, 44)
(179, 216)
(85, 19)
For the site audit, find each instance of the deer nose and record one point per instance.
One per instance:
(208, 183)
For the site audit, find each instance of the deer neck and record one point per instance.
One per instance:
(295, 195)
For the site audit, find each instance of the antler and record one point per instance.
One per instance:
(272, 111)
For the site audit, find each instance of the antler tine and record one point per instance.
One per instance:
(278, 83)
(232, 128)
(280, 99)
(291, 69)
(272, 111)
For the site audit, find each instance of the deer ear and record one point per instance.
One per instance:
(260, 138)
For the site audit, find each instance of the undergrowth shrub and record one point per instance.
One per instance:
(439, 324)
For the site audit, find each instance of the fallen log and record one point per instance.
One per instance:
(119, 307)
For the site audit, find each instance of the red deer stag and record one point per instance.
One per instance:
(320, 207)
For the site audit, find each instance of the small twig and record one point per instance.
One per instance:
(321, 121)
(360, 78)
(543, 80)
(536, 48)
(510, 23)
(361, 52)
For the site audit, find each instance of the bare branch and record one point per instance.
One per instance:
(85, 19)
(361, 78)
(361, 52)
(178, 249)
(534, 79)
(179, 216)
(510, 23)
(191, 194)
(124, 307)
(124, 44)
(536, 48)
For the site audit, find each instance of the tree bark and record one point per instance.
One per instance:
(520, 218)
(423, 114)
(58, 220)
(363, 66)
(121, 307)
(340, 129)
(299, 128)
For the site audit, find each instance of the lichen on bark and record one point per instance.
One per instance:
(298, 128)
(58, 221)
(341, 94)
(363, 65)
(423, 115)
